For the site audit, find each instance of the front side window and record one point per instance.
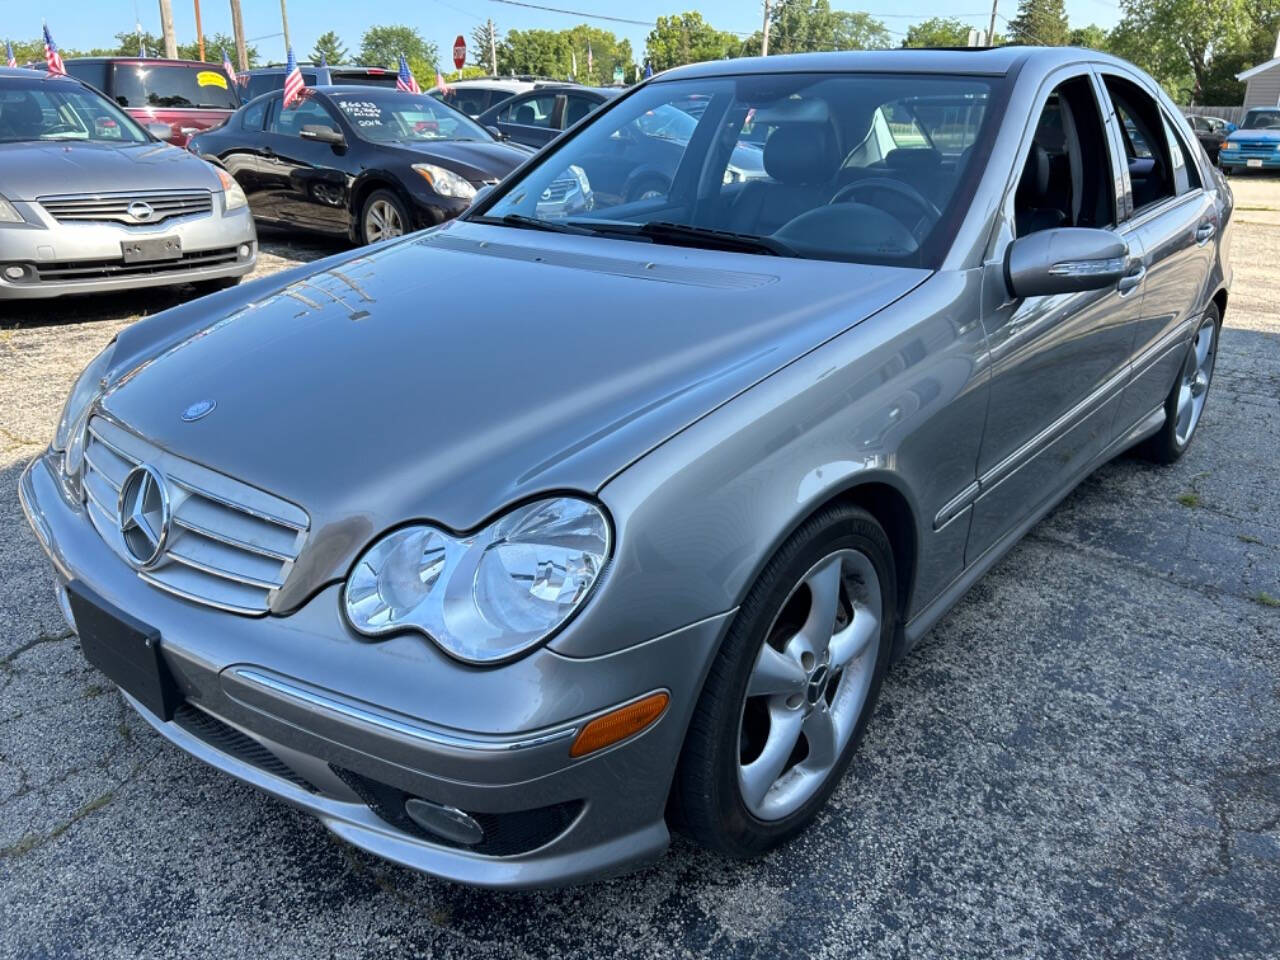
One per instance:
(391, 116)
(862, 167)
(291, 120)
(530, 112)
(173, 86)
(38, 109)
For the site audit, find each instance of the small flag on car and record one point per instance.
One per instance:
(8, 52)
(52, 58)
(648, 69)
(405, 80)
(324, 61)
(293, 82)
(227, 68)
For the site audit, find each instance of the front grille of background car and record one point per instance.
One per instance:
(114, 207)
(88, 270)
(557, 190)
(505, 834)
(1257, 148)
(227, 739)
(230, 545)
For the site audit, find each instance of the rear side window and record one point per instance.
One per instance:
(94, 74)
(254, 114)
(175, 86)
(533, 112)
(1147, 153)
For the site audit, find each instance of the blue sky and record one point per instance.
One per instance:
(87, 23)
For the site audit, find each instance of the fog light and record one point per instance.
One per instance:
(243, 251)
(619, 724)
(14, 272)
(448, 822)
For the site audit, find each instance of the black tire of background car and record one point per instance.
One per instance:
(1163, 447)
(707, 801)
(391, 198)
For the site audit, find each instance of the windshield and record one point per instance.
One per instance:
(870, 168)
(390, 116)
(40, 109)
(1262, 120)
(173, 85)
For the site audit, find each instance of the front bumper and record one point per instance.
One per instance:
(61, 258)
(1247, 159)
(324, 704)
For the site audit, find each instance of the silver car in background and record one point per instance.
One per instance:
(494, 595)
(92, 202)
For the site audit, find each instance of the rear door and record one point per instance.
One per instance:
(1175, 219)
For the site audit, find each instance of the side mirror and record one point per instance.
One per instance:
(1065, 260)
(496, 133)
(161, 131)
(482, 193)
(323, 133)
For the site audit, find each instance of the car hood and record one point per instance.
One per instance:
(449, 375)
(477, 160)
(33, 170)
(1255, 136)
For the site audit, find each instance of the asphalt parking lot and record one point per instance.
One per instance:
(1083, 759)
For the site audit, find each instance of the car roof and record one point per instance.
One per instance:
(153, 61)
(340, 68)
(26, 73)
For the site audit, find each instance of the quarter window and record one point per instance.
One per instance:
(254, 114)
(1186, 176)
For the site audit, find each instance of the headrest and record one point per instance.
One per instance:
(800, 153)
(525, 114)
(1035, 175)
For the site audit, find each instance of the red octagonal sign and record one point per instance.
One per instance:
(459, 52)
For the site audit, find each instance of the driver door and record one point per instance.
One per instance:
(1059, 364)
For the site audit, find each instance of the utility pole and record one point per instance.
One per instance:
(493, 50)
(237, 30)
(166, 28)
(991, 30)
(764, 34)
(284, 19)
(199, 30)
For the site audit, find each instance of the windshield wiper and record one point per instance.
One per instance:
(683, 234)
(535, 223)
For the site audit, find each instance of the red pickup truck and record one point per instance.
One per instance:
(186, 95)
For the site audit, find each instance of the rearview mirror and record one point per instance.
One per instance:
(161, 131)
(323, 133)
(1065, 260)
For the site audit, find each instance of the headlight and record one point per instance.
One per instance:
(8, 214)
(485, 597)
(230, 189)
(68, 439)
(445, 182)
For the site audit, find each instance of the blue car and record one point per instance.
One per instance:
(1256, 145)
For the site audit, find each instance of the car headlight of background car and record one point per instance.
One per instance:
(234, 196)
(490, 595)
(445, 182)
(68, 439)
(9, 213)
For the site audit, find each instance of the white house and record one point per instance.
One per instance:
(1262, 83)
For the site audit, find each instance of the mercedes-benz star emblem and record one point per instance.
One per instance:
(144, 515)
(201, 408)
(141, 211)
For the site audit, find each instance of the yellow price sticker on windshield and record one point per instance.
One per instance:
(211, 78)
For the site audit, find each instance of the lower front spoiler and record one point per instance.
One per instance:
(360, 826)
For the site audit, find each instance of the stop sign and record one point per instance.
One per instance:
(459, 52)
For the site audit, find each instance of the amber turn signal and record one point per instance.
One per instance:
(619, 724)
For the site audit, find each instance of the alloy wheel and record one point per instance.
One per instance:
(382, 222)
(809, 684)
(1196, 374)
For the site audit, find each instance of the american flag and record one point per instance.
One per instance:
(8, 50)
(52, 58)
(405, 80)
(227, 68)
(440, 84)
(293, 82)
(590, 59)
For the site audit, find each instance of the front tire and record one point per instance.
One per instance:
(383, 216)
(790, 691)
(1185, 404)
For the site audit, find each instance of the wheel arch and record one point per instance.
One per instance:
(367, 184)
(1220, 301)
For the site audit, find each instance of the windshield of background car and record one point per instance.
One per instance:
(174, 86)
(1262, 120)
(390, 116)
(871, 168)
(55, 110)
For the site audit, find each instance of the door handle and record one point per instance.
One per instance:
(1205, 231)
(1131, 280)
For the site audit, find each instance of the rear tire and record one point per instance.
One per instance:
(1185, 403)
(753, 695)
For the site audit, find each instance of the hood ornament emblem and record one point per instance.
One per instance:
(141, 211)
(201, 408)
(144, 515)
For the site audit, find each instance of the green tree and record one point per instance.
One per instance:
(1040, 22)
(329, 49)
(381, 46)
(554, 53)
(1092, 37)
(1179, 42)
(938, 32)
(484, 38)
(687, 38)
(804, 26)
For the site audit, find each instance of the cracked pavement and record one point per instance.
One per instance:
(1083, 758)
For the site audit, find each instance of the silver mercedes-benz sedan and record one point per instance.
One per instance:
(503, 586)
(92, 202)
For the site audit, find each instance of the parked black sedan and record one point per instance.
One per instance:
(538, 116)
(365, 162)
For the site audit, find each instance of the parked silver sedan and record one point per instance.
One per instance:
(501, 591)
(92, 202)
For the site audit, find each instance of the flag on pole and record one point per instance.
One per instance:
(293, 82)
(573, 57)
(8, 52)
(406, 82)
(142, 46)
(324, 61)
(648, 69)
(227, 68)
(52, 58)
(590, 59)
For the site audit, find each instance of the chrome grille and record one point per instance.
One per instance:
(231, 545)
(557, 190)
(114, 207)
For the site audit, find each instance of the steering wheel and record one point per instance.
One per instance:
(926, 206)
